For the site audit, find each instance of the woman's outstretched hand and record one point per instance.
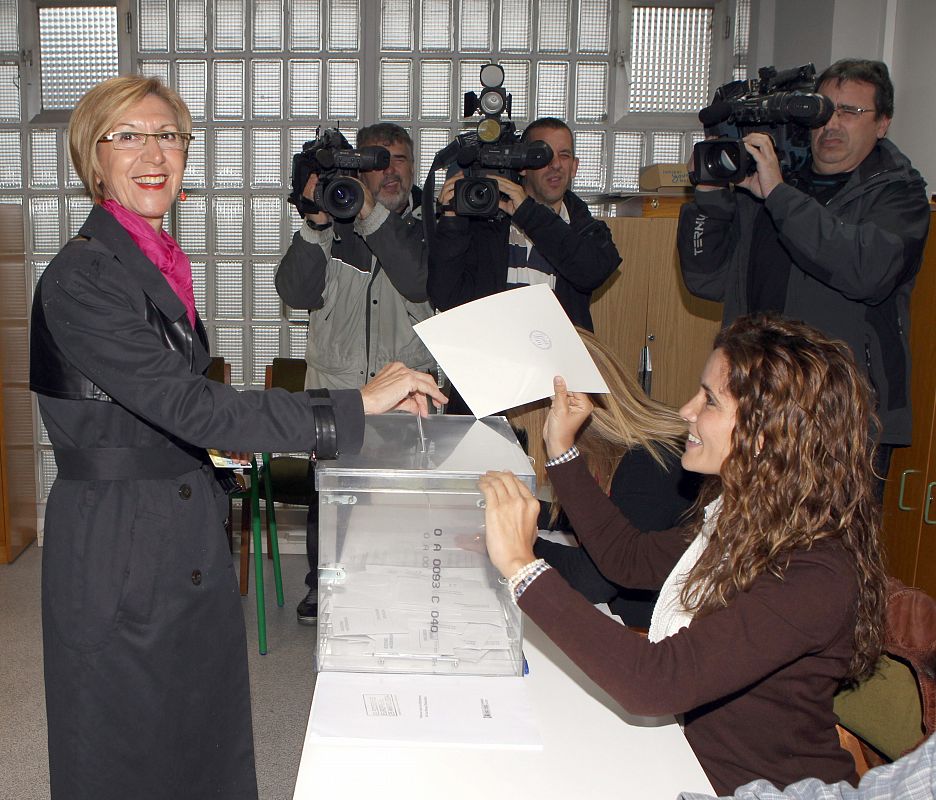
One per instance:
(567, 415)
(398, 388)
(509, 521)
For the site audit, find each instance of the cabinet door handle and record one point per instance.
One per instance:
(645, 370)
(903, 480)
(929, 499)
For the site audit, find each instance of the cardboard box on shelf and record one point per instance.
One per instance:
(664, 178)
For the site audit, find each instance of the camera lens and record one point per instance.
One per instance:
(725, 160)
(478, 195)
(342, 198)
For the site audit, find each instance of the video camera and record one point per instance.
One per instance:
(782, 104)
(335, 162)
(494, 148)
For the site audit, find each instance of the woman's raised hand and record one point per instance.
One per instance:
(568, 413)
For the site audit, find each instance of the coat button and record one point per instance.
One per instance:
(196, 577)
(185, 491)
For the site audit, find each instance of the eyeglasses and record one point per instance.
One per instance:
(851, 112)
(135, 140)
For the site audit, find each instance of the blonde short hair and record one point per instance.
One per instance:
(97, 112)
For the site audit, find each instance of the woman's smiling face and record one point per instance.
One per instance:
(144, 181)
(711, 417)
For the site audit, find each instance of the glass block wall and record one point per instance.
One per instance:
(260, 75)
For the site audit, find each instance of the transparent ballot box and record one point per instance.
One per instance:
(405, 583)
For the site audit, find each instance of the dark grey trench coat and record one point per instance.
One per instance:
(144, 643)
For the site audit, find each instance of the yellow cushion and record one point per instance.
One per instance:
(885, 710)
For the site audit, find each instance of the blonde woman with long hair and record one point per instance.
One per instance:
(632, 446)
(771, 600)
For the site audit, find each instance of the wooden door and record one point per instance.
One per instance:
(647, 305)
(619, 308)
(909, 541)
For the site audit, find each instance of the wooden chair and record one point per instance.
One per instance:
(895, 710)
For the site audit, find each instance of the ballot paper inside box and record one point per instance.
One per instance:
(405, 583)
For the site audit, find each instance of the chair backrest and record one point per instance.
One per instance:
(911, 635)
(218, 370)
(286, 373)
(895, 709)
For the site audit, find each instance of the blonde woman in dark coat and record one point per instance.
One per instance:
(144, 644)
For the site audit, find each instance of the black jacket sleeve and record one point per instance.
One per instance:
(864, 260)
(581, 251)
(98, 322)
(706, 238)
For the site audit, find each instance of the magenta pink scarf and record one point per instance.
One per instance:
(162, 250)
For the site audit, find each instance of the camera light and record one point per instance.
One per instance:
(492, 76)
(492, 101)
(489, 130)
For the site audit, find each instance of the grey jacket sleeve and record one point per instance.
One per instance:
(300, 276)
(862, 260)
(707, 238)
(400, 247)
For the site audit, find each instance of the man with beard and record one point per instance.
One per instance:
(364, 284)
(836, 244)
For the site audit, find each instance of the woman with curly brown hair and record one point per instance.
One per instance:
(772, 600)
(632, 446)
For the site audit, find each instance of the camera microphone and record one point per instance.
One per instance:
(715, 113)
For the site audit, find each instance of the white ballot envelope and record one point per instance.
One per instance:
(504, 350)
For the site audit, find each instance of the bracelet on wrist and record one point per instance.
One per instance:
(318, 226)
(523, 577)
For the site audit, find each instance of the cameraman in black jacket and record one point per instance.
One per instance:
(837, 244)
(548, 236)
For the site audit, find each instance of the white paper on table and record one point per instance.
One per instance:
(445, 710)
(504, 350)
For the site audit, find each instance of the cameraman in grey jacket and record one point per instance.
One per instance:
(836, 244)
(364, 284)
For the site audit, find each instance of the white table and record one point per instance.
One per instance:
(592, 749)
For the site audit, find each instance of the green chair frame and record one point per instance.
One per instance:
(250, 500)
(289, 374)
(249, 497)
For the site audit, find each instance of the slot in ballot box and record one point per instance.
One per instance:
(405, 583)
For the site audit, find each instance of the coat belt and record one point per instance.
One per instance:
(123, 463)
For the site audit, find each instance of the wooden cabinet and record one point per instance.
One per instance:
(646, 312)
(18, 473)
(910, 494)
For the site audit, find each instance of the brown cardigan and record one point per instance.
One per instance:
(755, 680)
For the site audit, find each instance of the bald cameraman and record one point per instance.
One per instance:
(837, 244)
(364, 284)
(545, 235)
